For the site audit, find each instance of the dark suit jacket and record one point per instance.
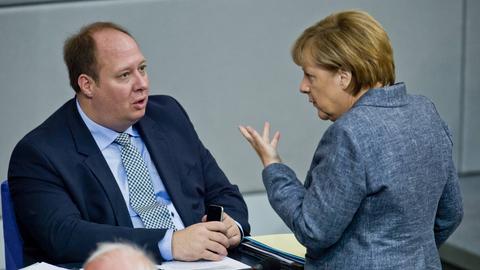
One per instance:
(66, 199)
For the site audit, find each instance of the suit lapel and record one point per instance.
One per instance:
(156, 139)
(95, 161)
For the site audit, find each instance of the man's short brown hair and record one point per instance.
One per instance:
(79, 52)
(352, 41)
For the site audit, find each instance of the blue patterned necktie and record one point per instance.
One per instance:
(142, 196)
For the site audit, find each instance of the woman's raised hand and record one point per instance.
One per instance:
(265, 148)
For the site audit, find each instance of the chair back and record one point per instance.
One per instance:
(12, 238)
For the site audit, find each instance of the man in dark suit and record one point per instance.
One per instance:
(71, 183)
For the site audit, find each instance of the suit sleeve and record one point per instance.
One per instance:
(319, 212)
(48, 216)
(218, 189)
(450, 209)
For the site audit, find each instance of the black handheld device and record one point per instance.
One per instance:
(214, 213)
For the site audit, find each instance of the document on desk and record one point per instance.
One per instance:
(284, 247)
(225, 264)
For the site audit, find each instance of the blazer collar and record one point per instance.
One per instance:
(156, 138)
(83, 139)
(388, 96)
(94, 160)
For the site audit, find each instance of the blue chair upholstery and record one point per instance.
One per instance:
(12, 238)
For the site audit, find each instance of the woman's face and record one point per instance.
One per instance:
(327, 91)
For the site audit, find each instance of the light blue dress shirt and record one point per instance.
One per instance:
(111, 151)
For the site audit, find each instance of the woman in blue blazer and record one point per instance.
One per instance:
(382, 191)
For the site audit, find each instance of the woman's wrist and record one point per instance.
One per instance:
(270, 161)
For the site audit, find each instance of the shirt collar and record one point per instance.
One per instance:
(103, 136)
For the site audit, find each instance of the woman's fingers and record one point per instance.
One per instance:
(252, 137)
(255, 139)
(265, 148)
(266, 132)
(258, 140)
(245, 133)
(275, 139)
(249, 134)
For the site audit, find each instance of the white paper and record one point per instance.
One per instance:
(225, 264)
(43, 266)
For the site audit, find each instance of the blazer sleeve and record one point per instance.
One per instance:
(218, 189)
(319, 212)
(48, 216)
(450, 209)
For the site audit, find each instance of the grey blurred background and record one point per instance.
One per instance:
(228, 63)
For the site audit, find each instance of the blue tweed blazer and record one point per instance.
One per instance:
(382, 191)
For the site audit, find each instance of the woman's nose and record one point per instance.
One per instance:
(304, 86)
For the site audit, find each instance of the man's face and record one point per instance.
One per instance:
(120, 95)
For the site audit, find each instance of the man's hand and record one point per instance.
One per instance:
(233, 231)
(205, 240)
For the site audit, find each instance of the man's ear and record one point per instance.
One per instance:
(86, 84)
(345, 78)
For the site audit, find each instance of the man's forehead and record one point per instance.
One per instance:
(112, 44)
(106, 38)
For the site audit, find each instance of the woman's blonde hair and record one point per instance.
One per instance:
(352, 41)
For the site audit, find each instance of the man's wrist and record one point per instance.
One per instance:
(241, 230)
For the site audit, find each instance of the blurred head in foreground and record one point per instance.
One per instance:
(119, 256)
